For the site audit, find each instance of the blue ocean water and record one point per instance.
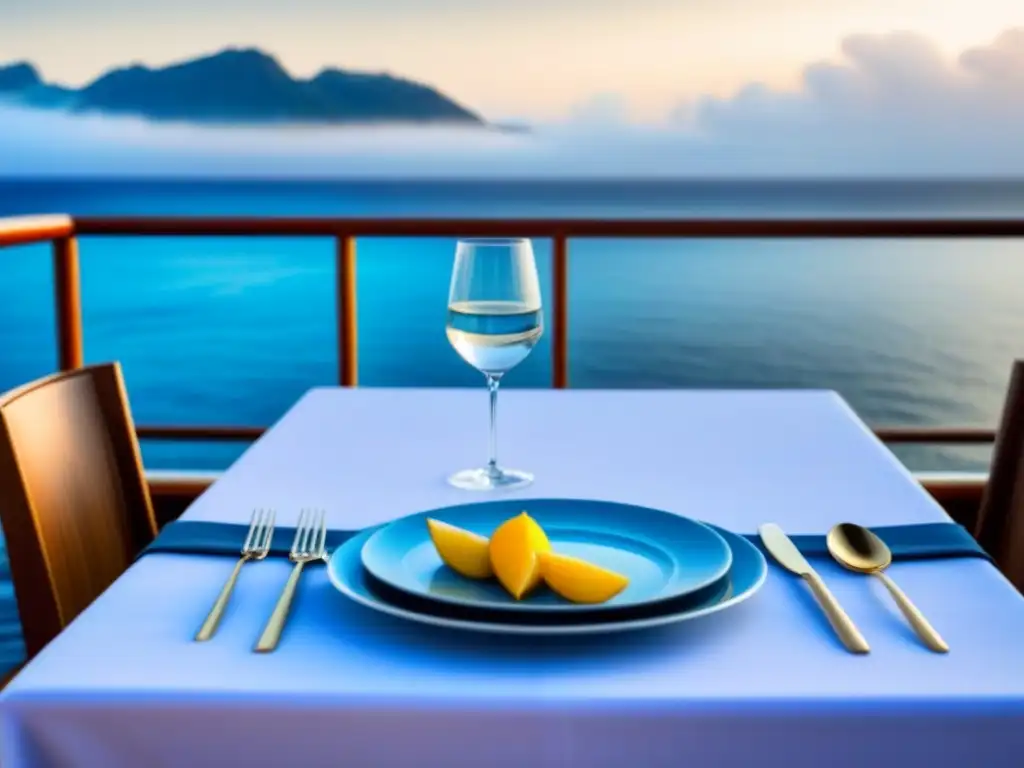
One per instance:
(216, 330)
(234, 330)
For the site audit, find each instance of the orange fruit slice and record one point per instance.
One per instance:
(463, 551)
(513, 550)
(579, 581)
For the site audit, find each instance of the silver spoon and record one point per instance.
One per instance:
(858, 549)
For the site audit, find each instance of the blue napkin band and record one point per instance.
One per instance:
(920, 541)
(199, 537)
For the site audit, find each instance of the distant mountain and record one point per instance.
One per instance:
(241, 86)
(18, 77)
(22, 83)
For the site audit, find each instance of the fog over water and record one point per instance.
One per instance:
(891, 105)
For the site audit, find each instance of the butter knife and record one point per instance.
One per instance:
(785, 552)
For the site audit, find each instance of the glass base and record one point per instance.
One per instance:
(485, 480)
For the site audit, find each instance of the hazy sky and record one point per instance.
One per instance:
(671, 88)
(537, 59)
(892, 105)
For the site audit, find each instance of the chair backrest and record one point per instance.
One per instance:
(1000, 526)
(74, 502)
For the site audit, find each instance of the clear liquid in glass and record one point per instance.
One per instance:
(493, 336)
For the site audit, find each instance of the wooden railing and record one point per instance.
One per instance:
(959, 494)
(63, 231)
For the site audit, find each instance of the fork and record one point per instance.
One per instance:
(256, 547)
(308, 547)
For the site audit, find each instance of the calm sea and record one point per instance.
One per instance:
(234, 330)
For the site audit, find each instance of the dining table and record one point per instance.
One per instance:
(763, 683)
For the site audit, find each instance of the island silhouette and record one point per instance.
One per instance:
(239, 86)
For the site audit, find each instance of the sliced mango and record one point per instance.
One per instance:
(513, 550)
(463, 551)
(579, 581)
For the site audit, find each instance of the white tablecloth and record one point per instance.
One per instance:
(762, 684)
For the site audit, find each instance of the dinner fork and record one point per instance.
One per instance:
(256, 547)
(308, 546)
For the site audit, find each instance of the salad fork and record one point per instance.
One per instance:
(256, 547)
(308, 546)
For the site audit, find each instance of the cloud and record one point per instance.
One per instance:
(891, 106)
(601, 110)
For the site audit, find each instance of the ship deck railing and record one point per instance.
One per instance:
(959, 493)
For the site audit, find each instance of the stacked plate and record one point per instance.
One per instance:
(678, 569)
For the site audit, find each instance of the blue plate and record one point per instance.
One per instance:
(664, 555)
(745, 577)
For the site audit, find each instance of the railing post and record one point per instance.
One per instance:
(68, 304)
(348, 341)
(560, 313)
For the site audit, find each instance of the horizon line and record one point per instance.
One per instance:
(21, 178)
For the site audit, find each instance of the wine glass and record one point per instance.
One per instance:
(494, 320)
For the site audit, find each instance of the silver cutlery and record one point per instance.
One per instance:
(308, 546)
(256, 547)
(785, 552)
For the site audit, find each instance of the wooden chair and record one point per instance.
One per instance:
(74, 502)
(1000, 526)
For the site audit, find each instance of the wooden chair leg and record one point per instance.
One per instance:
(10, 676)
(1000, 527)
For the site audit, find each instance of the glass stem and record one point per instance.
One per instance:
(492, 462)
